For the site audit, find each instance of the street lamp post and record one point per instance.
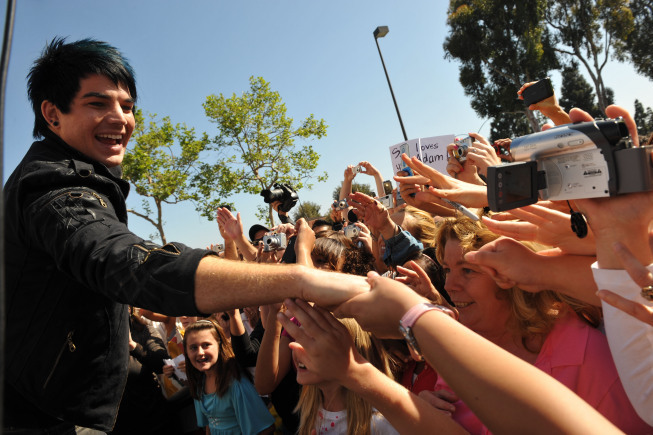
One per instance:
(380, 32)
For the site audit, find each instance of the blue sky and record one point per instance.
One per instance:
(320, 56)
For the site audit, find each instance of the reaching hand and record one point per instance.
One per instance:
(442, 400)
(418, 280)
(369, 169)
(467, 194)
(230, 227)
(509, 263)
(482, 154)
(641, 276)
(544, 225)
(322, 343)
(380, 309)
(349, 173)
(376, 216)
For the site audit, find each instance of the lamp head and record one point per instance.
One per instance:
(380, 32)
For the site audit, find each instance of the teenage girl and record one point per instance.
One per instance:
(225, 399)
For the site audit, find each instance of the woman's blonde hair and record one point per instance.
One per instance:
(359, 411)
(420, 225)
(533, 314)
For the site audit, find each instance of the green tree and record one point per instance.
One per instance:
(355, 187)
(307, 210)
(256, 146)
(162, 166)
(587, 30)
(576, 91)
(644, 120)
(501, 45)
(637, 45)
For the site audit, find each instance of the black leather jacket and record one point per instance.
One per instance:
(71, 266)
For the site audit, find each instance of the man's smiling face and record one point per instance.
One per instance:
(100, 120)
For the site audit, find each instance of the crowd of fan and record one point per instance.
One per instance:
(515, 291)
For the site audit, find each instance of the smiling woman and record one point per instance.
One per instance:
(544, 329)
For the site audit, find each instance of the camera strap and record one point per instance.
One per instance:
(578, 222)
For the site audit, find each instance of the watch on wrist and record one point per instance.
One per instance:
(410, 318)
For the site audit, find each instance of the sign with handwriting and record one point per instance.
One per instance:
(431, 151)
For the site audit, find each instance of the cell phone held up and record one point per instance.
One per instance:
(537, 92)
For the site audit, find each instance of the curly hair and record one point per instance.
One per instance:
(532, 314)
(419, 224)
(342, 254)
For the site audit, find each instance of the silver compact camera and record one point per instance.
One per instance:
(351, 231)
(357, 169)
(274, 242)
(460, 153)
(573, 161)
(341, 205)
(386, 201)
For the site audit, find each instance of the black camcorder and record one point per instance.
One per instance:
(283, 193)
(573, 161)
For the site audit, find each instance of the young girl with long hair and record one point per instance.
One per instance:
(326, 406)
(225, 399)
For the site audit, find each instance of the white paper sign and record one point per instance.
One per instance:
(410, 148)
(432, 151)
(175, 363)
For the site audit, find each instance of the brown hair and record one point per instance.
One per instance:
(226, 367)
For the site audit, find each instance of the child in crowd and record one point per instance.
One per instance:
(225, 399)
(329, 408)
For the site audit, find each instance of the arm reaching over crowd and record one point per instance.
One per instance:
(506, 393)
(442, 186)
(549, 107)
(544, 225)
(511, 264)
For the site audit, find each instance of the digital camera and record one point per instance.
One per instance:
(357, 169)
(283, 193)
(574, 161)
(351, 231)
(460, 153)
(274, 242)
(386, 201)
(341, 205)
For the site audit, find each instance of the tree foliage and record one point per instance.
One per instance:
(256, 145)
(586, 30)
(644, 120)
(637, 45)
(500, 44)
(355, 187)
(576, 91)
(162, 166)
(307, 210)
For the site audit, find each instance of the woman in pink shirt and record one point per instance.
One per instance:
(541, 328)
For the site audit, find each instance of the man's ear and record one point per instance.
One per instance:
(50, 112)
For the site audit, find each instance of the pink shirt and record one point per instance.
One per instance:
(578, 356)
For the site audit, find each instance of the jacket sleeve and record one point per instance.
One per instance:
(78, 228)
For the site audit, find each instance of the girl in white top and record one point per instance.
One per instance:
(325, 405)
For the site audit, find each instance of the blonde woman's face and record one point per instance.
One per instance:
(474, 293)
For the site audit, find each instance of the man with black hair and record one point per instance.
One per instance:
(73, 265)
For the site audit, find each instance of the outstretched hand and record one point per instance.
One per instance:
(230, 227)
(322, 343)
(443, 186)
(640, 309)
(542, 224)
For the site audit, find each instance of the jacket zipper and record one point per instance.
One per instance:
(71, 348)
(99, 198)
